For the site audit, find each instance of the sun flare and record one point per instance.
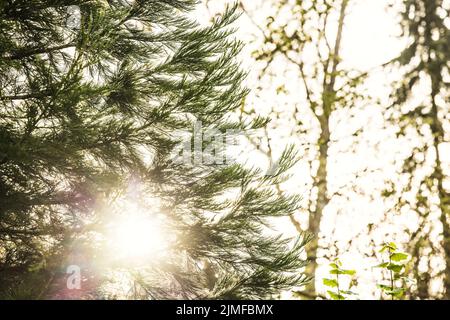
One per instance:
(138, 237)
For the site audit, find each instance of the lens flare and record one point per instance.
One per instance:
(136, 237)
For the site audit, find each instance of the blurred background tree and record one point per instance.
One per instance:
(420, 107)
(374, 155)
(305, 38)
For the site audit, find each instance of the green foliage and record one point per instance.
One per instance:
(395, 267)
(336, 292)
(85, 109)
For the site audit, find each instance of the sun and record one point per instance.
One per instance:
(136, 237)
(140, 237)
(135, 230)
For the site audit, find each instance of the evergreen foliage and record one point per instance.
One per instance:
(85, 107)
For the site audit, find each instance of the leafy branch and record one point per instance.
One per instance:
(335, 284)
(395, 267)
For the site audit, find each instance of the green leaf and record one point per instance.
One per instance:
(389, 246)
(330, 283)
(398, 292)
(336, 271)
(399, 256)
(348, 292)
(383, 287)
(335, 296)
(392, 245)
(382, 265)
(395, 267)
(343, 271)
(334, 265)
(349, 272)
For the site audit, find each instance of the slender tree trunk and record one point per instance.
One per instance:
(321, 177)
(315, 215)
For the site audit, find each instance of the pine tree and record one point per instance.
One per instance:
(424, 63)
(97, 93)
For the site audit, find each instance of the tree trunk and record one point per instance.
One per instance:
(315, 215)
(321, 177)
